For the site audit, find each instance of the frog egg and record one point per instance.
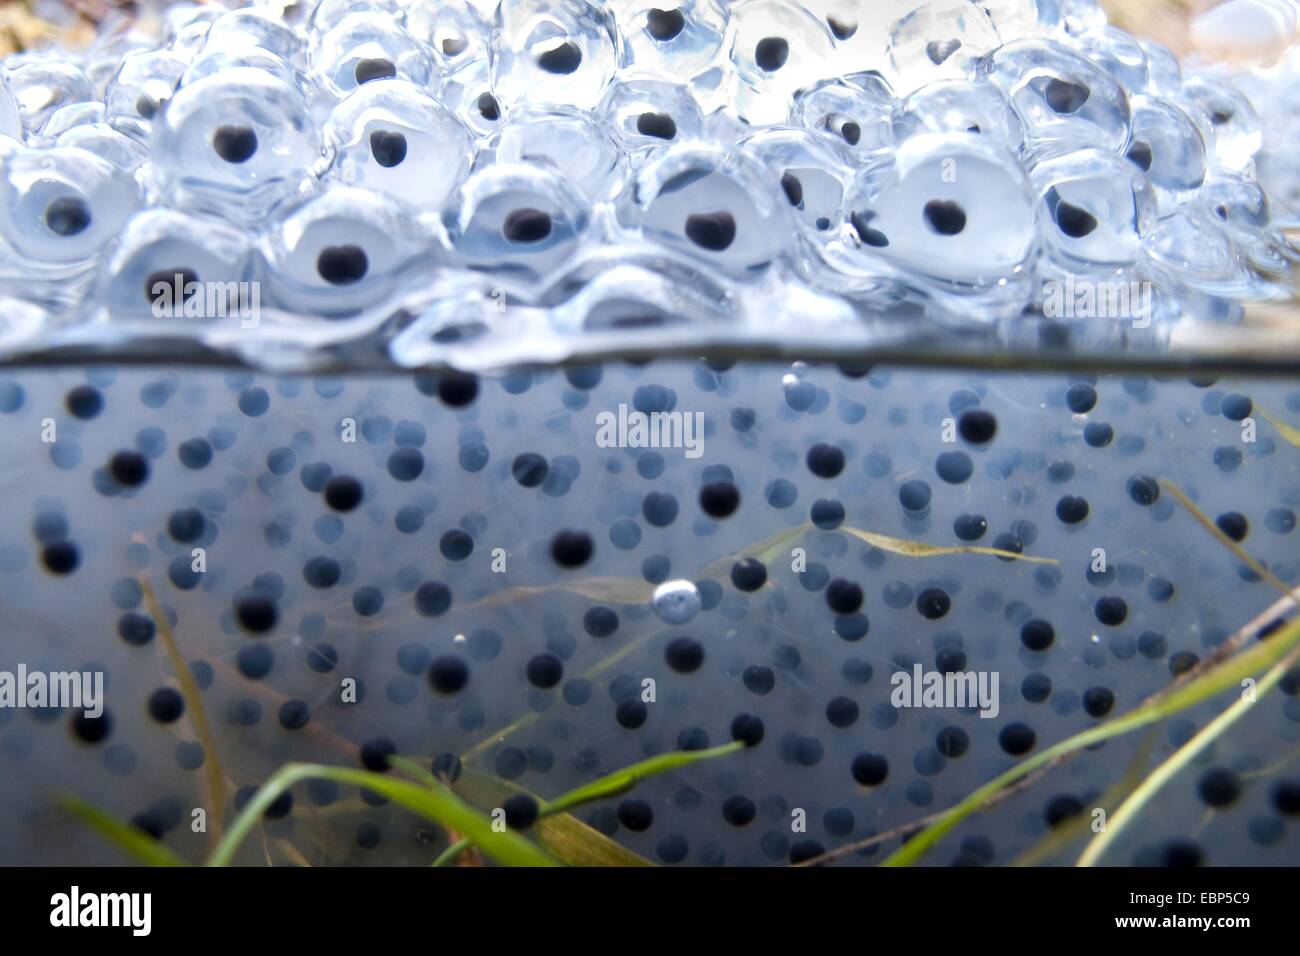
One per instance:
(858, 109)
(156, 246)
(676, 602)
(41, 86)
(1235, 126)
(11, 120)
(813, 170)
(776, 48)
(365, 47)
(239, 144)
(342, 252)
(140, 88)
(517, 219)
(240, 29)
(212, 61)
(1164, 73)
(1064, 100)
(1190, 256)
(960, 106)
(393, 137)
(453, 29)
(66, 118)
(938, 40)
(678, 39)
(859, 38)
(1241, 206)
(468, 92)
(951, 208)
(103, 140)
(715, 205)
(1119, 55)
(646, 114)
(553, 52)
(1097, 207)
(186, 26)
(1167, 146)
(329, 13)
(571, 142)
(61, 208)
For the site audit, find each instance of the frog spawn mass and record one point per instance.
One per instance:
(428, 182)
(456, 569)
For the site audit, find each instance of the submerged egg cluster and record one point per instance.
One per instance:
(447, 181)
(458, 570)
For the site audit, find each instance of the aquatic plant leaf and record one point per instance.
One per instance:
(1204, 520)
(439, 805)
(1128, 811)
(569, 839)
(620, 781)
(1289, 433)
(189, 688)
(128, 838)
(919, 549)
(1226, 674)
(610, 590)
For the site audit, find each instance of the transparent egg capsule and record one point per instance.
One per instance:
(712, 204)
(142, 85)
(858, 109)
(60, 208)
(215, 60)
(1164, 74)
(1167, 146)
(1080, 16)
(1064, 100)
(558, 52)
(250, 26)
(776, 48)
(1119, 55)
(453, 29)
(952, 208)
(364, 47)
(165, 261)
(813, 170)
(1236, 135)
(1191, 256)
(11, 119)
(570, 142)
(960, 106)
(859, 37)
(344, 251)
(1096, 206)
(393, 137)
(938, 40)
(679, 39)
(42, 86)
(103, 140)
(519, 219)
(238, 144)
(468, 93)
(328, 13)
(186, 25)
(1242, 208)
(66, 118)
(647, 113)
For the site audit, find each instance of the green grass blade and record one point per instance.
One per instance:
(567, 838)
(919, 549)
(621, 781)
(449, 856)
(129, 839)
(1213, 682)
(439, 805)
(1141, 796)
